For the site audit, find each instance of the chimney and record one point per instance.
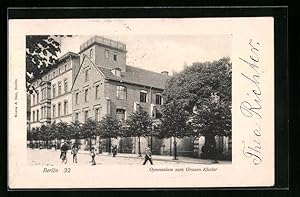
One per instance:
(166, 73)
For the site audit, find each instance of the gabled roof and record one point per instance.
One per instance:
(137, 76)
(88, 61)
(133, 75)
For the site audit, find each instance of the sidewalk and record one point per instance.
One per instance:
(163, 158)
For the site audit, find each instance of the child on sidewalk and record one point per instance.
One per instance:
(93, 154)
(74, 152)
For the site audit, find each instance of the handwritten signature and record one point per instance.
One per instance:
(252, 107)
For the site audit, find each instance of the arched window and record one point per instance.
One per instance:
(86, 115)
(59, 88)
(66, 85)
(33, 116)
(86, 95)
(53, 111)
(86, 75)
(65, 107)
(97, 114)
(121, 92)
(59, 110)
(115, 56)
(106, 53)
(53, 90)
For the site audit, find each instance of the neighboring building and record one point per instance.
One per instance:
(52, 100)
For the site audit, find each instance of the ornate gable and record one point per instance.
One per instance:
(85, 64)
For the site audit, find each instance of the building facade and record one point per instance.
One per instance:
(52, 99)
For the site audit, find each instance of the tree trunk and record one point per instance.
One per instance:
(109, 145)
(210, 147)
(95, 142)
(100, 150)
(121, 146)
(170, 146)
(151, 143)
(175, 149)
(140, 154)
(90, 143)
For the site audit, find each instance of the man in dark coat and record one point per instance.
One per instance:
(63, 155)
(148, 156)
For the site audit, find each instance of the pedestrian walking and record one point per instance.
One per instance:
(93, 154)
(114, 150)
(63, 155)
(74, 152)
(148, 156)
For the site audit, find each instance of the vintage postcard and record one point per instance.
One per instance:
(141, 103)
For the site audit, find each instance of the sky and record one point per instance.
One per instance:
(162, 52)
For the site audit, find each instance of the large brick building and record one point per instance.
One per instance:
(96, 82)
(104, 83)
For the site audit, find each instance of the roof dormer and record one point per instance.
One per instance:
(116, 72)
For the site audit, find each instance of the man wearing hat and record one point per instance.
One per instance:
(148, 156)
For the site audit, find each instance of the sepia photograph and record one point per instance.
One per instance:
(131, 100)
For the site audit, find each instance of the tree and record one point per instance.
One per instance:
(63, 131)
(139, 124)
(38, 135)
(34, 136)
(212, 111)
(41, 55)
(173, 122)
(55, 132)
(90, 130)
(76, 130)
(45, 134)
(110, 127)
(197, 101)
